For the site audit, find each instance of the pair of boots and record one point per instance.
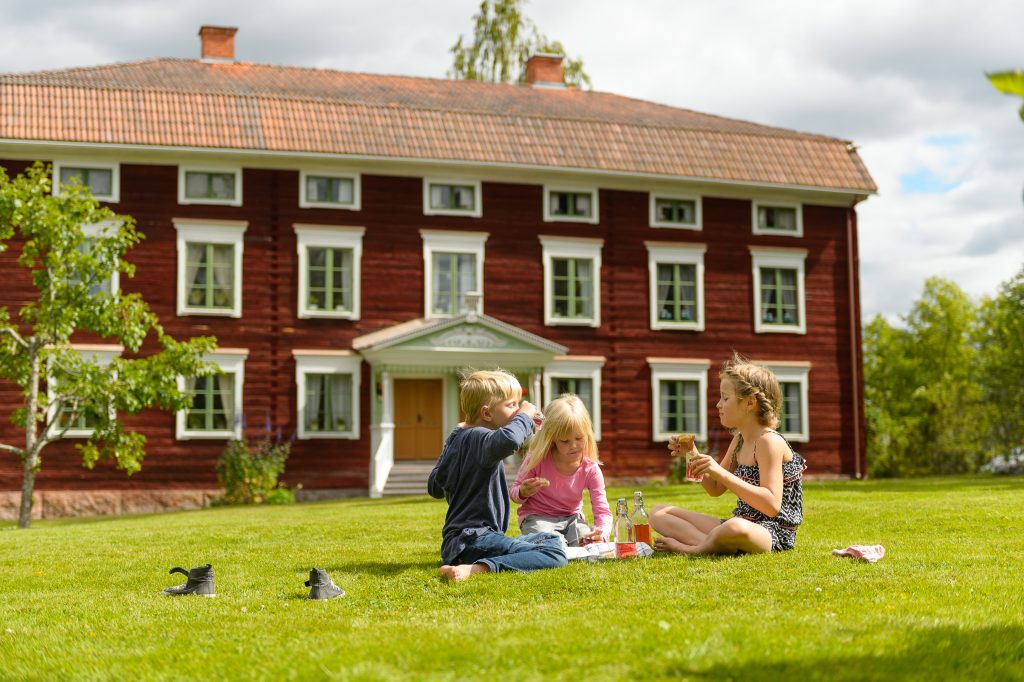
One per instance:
(200, 582)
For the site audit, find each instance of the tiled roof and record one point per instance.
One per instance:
(190, 103)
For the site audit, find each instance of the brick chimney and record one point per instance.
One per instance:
(218, 43)
(545, 71)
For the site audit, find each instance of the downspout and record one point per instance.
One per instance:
(854, 343)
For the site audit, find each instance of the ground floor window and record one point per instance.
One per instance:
(678, 397)
(216, 409)
(328, 393)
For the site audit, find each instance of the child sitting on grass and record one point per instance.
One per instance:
(760, 467)
(561, 462)
(470, 475)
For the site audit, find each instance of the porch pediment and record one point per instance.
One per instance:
(470, 339)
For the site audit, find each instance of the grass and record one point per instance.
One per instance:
(80, 598)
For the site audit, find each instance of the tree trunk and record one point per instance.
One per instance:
(28, 482)
(31, 464)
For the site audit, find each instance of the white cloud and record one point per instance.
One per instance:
(897, 78)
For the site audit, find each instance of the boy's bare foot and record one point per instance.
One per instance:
(461, 572)
(672, 545)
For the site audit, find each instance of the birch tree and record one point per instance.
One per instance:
(68, 273)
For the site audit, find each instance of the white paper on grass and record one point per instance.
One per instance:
(603, 550)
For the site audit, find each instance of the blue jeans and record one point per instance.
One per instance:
(525, 553)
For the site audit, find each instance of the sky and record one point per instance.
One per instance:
(903, 79)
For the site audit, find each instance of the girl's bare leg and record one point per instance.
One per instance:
(732, 536)
(682, 525)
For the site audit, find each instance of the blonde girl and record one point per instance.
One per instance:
(560, 464)
(760, 467)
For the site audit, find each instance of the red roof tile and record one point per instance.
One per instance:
(174, 102)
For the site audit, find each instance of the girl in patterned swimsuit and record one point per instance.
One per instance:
(760, 467)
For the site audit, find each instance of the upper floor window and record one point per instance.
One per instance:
(793, 380)
(580, 375)
(778, 218)
(569, 204)
(210, 186)
(102, 179)
(330, 261)
(93, 233)
(679, 389)
(329, 190)
(572, 280)
(328, 393)
(669, 210)
(453, 266)
(452, 197)
(216, 409)
(209, 267)
(779, 290)
(676, 280)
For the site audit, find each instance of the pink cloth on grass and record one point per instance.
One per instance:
(870, 553)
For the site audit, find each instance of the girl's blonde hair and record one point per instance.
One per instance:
(486, 387)
(748, 380)
(564, 417)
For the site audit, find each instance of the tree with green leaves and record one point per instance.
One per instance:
(503, 39)
(64, 388)
(1001, 364)
(924, 405)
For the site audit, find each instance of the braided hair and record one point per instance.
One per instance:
(748, 380)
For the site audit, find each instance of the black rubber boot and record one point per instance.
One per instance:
(321, 586)
(200, 582)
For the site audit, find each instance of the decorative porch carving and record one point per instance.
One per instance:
(468, 337)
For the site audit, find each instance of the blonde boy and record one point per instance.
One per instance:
(470, 475)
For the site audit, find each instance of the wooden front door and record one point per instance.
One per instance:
(418, 414)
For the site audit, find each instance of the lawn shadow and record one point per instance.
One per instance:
(379, 568)
(924, 653)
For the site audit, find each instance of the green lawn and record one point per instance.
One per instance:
(80, 599)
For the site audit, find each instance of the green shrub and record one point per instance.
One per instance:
(249, 472)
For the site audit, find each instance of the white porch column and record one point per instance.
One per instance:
(535, 378)
(383, 441)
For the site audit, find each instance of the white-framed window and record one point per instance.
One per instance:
(453, 266)
(322, 189)
(330, 262)
(577, 374)
(794, 422)
(572, 280)
(209, 266)
(83, 424)
(216, 410)
(779, 292)
(102, 178)
(452, 197)
(778, 217)
(679, 397)
(676, 279)
(92, 233)
(570, 204)
(679, 211)
(328, 393)
(220, 185)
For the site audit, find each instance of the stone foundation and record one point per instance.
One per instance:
(52, 504)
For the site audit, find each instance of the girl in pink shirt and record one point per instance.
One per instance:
(561, 462)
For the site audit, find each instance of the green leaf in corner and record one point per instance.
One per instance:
(1009, 82)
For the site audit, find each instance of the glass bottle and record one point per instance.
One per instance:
(625, 543)
(641, 521)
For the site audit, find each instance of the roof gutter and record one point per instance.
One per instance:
(858, 192)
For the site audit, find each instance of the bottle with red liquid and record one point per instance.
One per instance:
(641, 521)
(625, 541)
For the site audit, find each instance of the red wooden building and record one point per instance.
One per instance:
(355, 240)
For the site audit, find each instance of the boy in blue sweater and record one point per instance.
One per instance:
(469, 474)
